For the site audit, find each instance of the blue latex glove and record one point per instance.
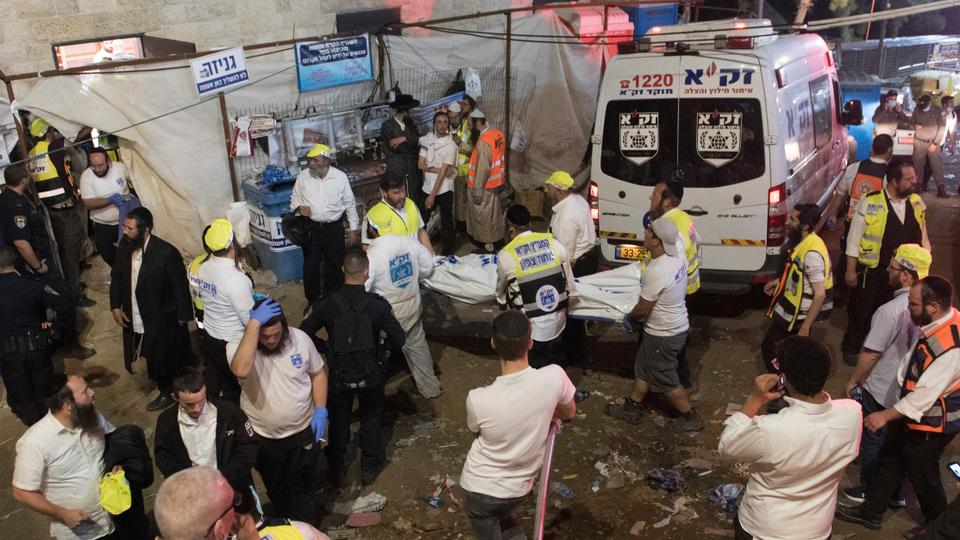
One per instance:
(628, 324)
(319, 422)
(266, 311)
(116, 199)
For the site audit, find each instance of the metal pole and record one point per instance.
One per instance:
(226, 138)
(873, 4)
(506, 103)
(760, 9)
(883, 36)
(543, 493)
(21, 134)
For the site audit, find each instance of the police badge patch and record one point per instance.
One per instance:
(21, 221)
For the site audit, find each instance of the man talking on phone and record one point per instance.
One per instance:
(796, 457)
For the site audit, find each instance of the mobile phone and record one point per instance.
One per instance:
(955, 469)
(780, 385)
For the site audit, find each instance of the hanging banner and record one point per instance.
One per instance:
(219, 71)
(719, 137)
(335, 62)
(639, 136)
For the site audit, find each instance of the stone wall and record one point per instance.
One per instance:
(28, 27)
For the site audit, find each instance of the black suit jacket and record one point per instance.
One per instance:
(236, 444)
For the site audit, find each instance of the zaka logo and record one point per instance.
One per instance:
(728, 76)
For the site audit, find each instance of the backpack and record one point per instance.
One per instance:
(354, 348)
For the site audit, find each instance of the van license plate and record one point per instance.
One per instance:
(629, 253)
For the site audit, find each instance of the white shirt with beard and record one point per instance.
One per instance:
(64, 465)
(95, 187)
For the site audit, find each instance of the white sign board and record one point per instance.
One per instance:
(220, 71)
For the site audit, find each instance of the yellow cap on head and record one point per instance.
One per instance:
(381, 216)
(914, 257)
(38, 127)
(560, 180)
(320, 150)
(219, 235)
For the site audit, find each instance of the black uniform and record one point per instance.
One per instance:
(24, 353)
(355, 320)
(402, 160)
(20, 220)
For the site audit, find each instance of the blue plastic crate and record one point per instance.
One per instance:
(276, 252)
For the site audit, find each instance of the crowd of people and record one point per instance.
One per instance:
(262, 395)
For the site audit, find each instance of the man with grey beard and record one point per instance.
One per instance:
(60, 460)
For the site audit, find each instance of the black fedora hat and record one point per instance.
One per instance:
(404, 102)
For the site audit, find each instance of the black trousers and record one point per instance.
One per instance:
(105, 238)
(287, 467)
(575, 333)
(69, 231)
(947, 526)
(918, 454)
(771, 340)
(323, 259)
(25, 376)
(221, 382)
(448, 232)
(545, 353)
(340, 406)
(739, 533)
(872, 291)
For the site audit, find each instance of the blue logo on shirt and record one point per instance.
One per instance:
(120, 181)
(401, 270)
(296, 360)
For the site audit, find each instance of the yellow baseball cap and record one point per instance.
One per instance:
(320, 150)
(381, 216)
(559, 179)
(115, 493)
(914, 257)
(219, 235)
(38, 127)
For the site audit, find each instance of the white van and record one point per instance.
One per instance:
(754, 117)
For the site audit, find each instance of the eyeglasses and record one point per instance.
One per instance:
(237, 499)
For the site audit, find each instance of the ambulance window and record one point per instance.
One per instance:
(837, 106)
(822, 113)
(722, 139)
(639, 139)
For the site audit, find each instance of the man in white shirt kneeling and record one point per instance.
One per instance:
(797, 456)
(511, 418)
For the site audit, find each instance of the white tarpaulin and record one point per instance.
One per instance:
(604, 296)
(179, 162)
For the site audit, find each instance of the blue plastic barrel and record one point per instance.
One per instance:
(276, 252)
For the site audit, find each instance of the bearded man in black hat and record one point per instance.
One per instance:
(402, 145)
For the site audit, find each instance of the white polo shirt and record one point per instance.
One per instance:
(65, 466)
(277, 397)
(573, 227)
(94, 187)
(227, 296)
(438, 151)
(329, 197)
(892, 334)
(397, 264)
(200, 436)
(511, 418)
(797, 458)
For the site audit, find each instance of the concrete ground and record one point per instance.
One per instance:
(429, 438)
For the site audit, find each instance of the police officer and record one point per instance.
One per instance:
(25, 233)
(24, 353)
(355, 320)
(884, 221)
(534, 275)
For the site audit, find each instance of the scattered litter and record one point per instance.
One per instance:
(600, 450)
(432, 522)
(570, 476)
(679, 505)
(561, 489)
(705, 473)
(617, 480)
(579, 431)
(602, 468)
(732, 408)
(339, 532)
(434, 501)
(366, 519)
(668, 480)
(728, 496)
(720, 532)
(637, 527)
(699, 464)
(580, 395)
(451, 445)
(402, 524)
(606, 397)
(372, 502)
(403, 443)
(595, 487)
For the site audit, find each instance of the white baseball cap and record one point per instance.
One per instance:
(454, 107)
(477, 113)
(668, 233)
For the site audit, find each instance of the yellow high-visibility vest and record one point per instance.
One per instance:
(785, 306)
(876, 223)
(684, 224)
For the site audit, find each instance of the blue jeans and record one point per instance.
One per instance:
(870, 442)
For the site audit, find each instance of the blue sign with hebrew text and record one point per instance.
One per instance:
(334, 62)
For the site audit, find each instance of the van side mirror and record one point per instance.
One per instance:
(852, 113)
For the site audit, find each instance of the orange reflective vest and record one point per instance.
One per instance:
(944, 415)
(496, 142)
(869, 178)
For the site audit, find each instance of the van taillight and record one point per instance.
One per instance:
(593, 197)
(776, 215)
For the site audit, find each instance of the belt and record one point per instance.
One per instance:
(62, 208)
(924, 141)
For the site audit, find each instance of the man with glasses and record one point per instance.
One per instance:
(103, 189)
(200, 503)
